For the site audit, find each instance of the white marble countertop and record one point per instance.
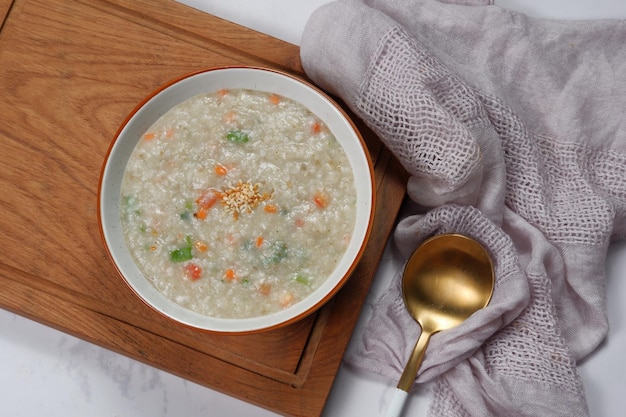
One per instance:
(46, 372)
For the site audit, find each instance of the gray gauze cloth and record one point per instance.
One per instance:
(513, 132)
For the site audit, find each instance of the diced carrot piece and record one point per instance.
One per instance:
(274, 99)
(265, 289)
(285, 299)
(208, 198)
(221, 170)
(270, 208)
(193, 271)
(316, 128)
(299, 222)
(201, 213)
(169, 132)
(201, 246)
(222, 92)
(230, 117)
(229, 275)
(259, 241)
(320, 199)
(149, 136)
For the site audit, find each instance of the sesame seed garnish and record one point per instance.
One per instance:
(242, 198)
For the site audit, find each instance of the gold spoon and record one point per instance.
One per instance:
(446, 280)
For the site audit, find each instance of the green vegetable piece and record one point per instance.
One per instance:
(188, 211)
(182, 254)
(247, 245)
(237, 136)
(301, 278)
(279, 252)
(128, 200)
(129, 207)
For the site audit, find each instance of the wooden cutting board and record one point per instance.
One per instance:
(70, 72)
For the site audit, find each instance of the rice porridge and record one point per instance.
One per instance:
(238, 203)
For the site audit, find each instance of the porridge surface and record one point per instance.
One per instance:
(238, 203)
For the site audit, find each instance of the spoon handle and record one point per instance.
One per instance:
(397, 403)
(413, 365)
(408, 376)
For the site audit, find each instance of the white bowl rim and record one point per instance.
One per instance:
(278, 82)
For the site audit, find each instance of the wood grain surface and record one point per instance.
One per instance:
(70, 73)
(5, 6)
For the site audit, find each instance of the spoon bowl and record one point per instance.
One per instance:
(446, 280)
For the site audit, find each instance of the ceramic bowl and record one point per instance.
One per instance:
(206, 81)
